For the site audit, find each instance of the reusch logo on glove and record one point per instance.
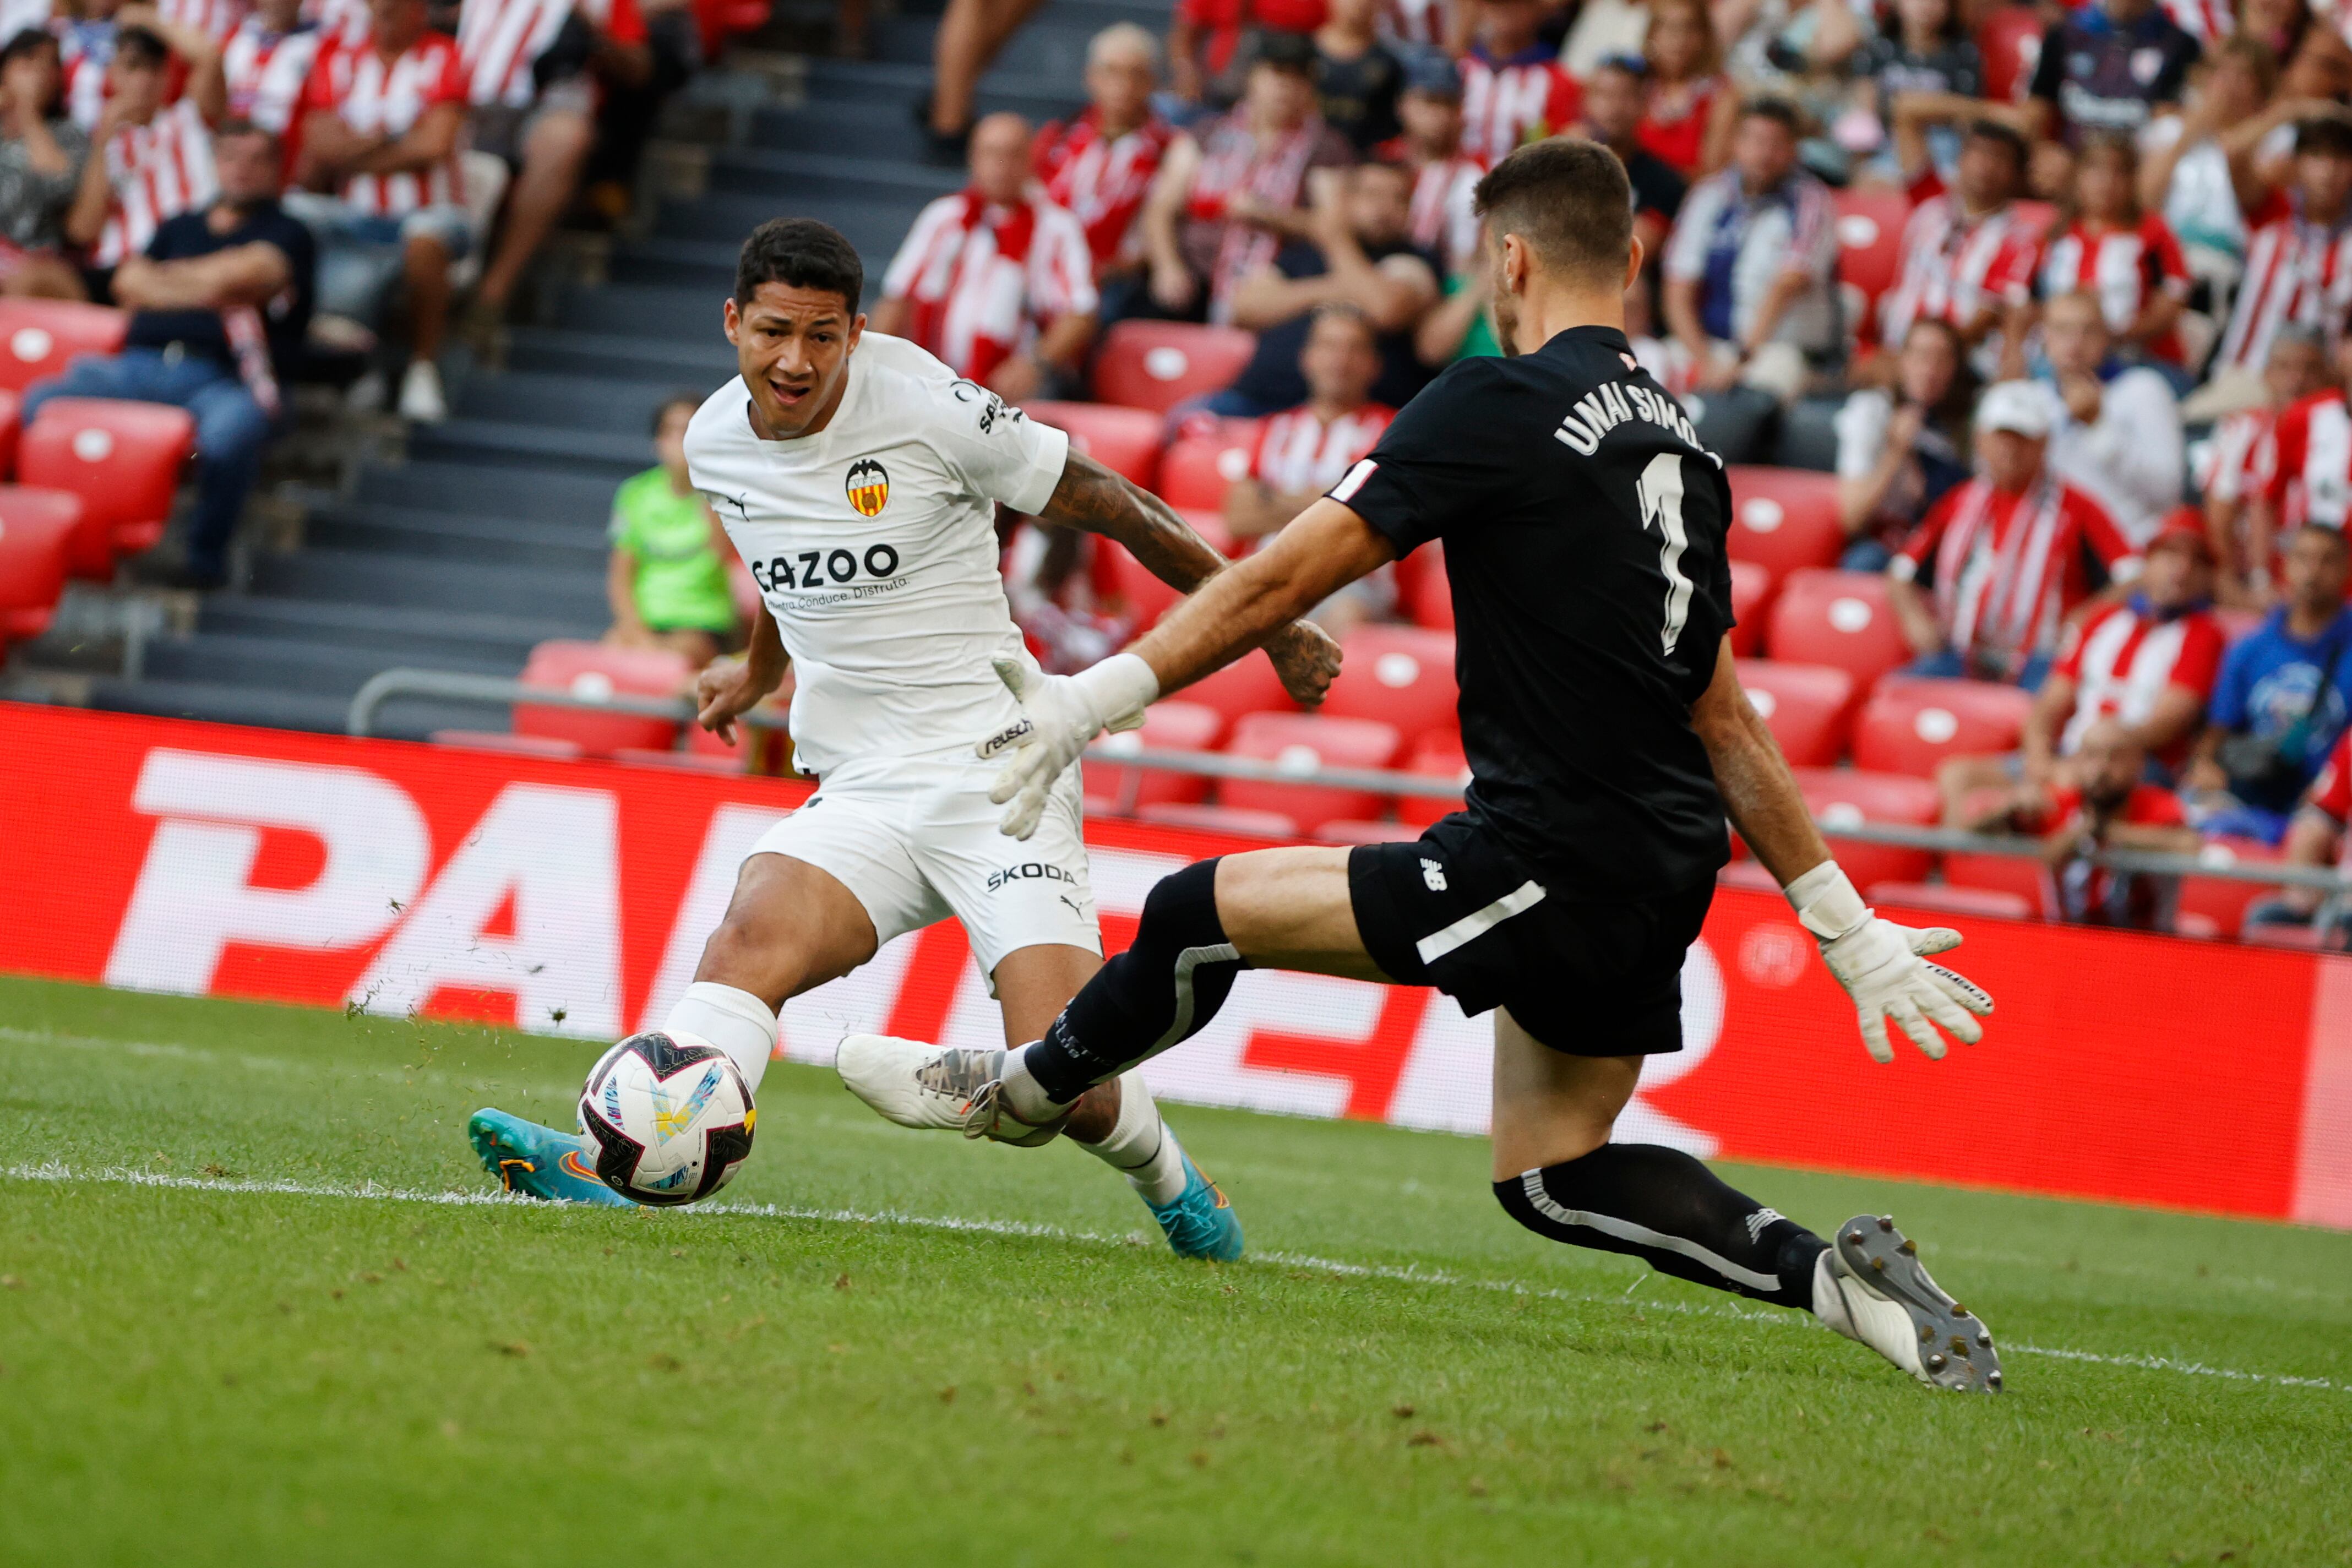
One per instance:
(1007, 736)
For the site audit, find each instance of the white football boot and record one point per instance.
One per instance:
(1870, 1287)
(925, 1086)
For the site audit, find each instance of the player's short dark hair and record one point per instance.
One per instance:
(1568, 200)
(800, 253)
(1778, 110)
(2007, 135)
(678, 399)
(2324, 135)
(141, 49)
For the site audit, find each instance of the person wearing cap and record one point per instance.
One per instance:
(2115, 428)
(1232, 191)
(2148, 664)
(1985, 587)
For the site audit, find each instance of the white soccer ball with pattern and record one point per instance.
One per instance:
(671, 1120)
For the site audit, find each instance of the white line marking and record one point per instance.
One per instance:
(1409, 1275)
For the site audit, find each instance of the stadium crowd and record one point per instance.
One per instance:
(2058, 298)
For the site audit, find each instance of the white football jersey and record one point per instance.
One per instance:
(874, 544)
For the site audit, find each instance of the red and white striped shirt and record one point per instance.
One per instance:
(2007, 568)
(1101, 182)
(266, 71)
(84, 51)
(377, 97)
(216, 19)
(1414, 21)
(2311, 466)
(2124, 268)
(1955, 266)
(2237, 462)
(1504, 105)
(1298, 453)
(2207, 21)
(981, 278)
(499, 39)
(2296, 272)
(342, 21)
(1444, 221)
(159, 169)
(2121, 661)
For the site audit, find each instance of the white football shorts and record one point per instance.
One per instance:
(918, 841)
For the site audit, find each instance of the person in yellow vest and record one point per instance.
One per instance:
(668, 577)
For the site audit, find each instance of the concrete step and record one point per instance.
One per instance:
(875, 227)
(504, 444)
(677, 264)
(470, 491)
(1046, 45)
(811, 179)
(320, 667)
(574, 599)
(403, 634)
(576, 545)
(620, 411)
(700, 358)
(1040, 97)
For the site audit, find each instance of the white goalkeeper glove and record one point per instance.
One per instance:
(1883, 967)
(1059, 714)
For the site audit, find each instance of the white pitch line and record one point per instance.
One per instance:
(370, 1191)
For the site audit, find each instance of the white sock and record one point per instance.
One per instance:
(1140, 1146)
(735, 1021)
(1028, 1101)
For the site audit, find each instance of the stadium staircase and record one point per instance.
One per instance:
(484, 534)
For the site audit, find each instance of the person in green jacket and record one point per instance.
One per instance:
(668, 577)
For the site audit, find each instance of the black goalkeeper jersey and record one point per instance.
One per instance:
(1584, 529)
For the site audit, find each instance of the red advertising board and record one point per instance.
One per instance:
(574, 897)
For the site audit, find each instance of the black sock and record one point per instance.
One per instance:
(1663, 1207)
(1161, 990)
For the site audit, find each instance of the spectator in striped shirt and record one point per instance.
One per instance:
(995, 279)
(2105, 243)
(1514, 89)
(267, 62)
(1445, 178)
(41, 155)
(1098, 166)
(150, 160)
(2234, 468)
(2298, 266)
(379, 140)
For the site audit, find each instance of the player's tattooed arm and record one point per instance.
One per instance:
(1093, 498)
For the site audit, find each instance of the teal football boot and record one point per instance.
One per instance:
(1199, 1221)
(541, 1163)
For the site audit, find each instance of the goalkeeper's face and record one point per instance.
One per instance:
(792, 345)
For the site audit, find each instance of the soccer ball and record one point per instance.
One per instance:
(671, 1121)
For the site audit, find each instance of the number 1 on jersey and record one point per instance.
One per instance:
(1661, 490)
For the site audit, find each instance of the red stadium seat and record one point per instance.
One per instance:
(1941, 899)
(1248, 685)
(1131, 587)
(1347, 830)
(1175, 725)
(1425, 594)
(1302, 743)
(2224, 899)
(2019, 874)
(1398, 675)
(1841, 618)
(36, 538)
(1806, 706)
(2011, 43)
(1912, 723)
(1751, 586)
(1159, 364)
(593, 669)
(1222, 819)
(1208, 455)
(1439, 756)
(122, 458)
(1784, 519)
(10, 420)
(1123, 440)
(1870, 240)
(1840, 797)
(38, 338)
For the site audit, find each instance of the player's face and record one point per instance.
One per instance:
(1612, 103)
(793, 346)
(1502, 300)
(2316, 566)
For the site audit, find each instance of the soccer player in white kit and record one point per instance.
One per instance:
(859, 478)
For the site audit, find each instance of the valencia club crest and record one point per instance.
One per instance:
(869, 487)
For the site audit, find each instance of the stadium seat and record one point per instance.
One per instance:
(2224, 899)
(1129, 587)
(1784, 519)
(122, 458)
(1123, 440)
(2022, 875)
(1398, 675)
(1942, 899)
(38, 338)
(1426, 593)
(546, 747)
(1751, 586)
(1159, 364)
(1869, 242)
(2010, 41)
(1840, 618)
(1840, 797)
(593, 669)
(1175, 725)
(1806, 707)
(1438, 756)
(1911, 723)
(1347, 830)
(1302, 743)
(1207, 455)
(1248, 685)
(37, 529)
(1221, 819)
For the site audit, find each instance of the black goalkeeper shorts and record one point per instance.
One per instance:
(1459, 911)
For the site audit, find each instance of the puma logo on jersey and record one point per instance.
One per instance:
(1432, 876)
(867, 487)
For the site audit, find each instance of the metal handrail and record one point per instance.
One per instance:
(393, 683)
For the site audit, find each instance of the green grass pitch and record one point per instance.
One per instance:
(235, 1327)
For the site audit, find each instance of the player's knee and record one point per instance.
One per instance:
(1181, 910)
